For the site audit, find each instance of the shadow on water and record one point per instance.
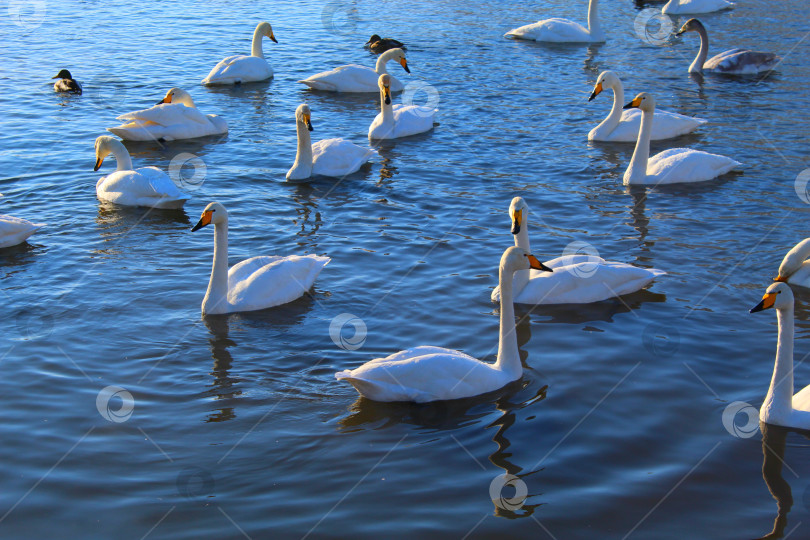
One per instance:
(595, 311)
(20, 255)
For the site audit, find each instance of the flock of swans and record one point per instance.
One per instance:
(424, 374)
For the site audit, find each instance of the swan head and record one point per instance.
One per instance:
(104, 147)
(265, 29)
(384, 82)
(778, 295)
(606, 79)
(304, 116)
(214, 213)
(63, 74)
(518, 211)
(643, 101)
(178, 95)
(515, 258)
(692, 25)
(397, 55)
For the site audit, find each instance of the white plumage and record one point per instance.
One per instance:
(354, 78)
(240, 68)
(396, 121)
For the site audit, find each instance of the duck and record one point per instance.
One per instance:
(379, 45)
(66, 83)
(672, 166)
(781, 407)
(680, 7)
(145, 186)
(623, 125)
(328, 157)
(577, 279)
(795, 268)
(174, 117)
(256, 283)
(731, 62)
(424, 374)
(354, 78)
(241, 68)
(562, 30)
(396, 121)
(14, 230)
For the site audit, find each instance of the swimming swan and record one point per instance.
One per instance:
(781, 407)
(255, 283)
(563, 30)
(353, 78)
(174, 117)
(146, 186)
(731, 62)
(623, 126)
(329, 157)
(424, 374)
(66, 83)
(795, 268)
(240, 68)
(577, 279)
(15, 231)
(395, 121)
(670, 166)
(680, 7)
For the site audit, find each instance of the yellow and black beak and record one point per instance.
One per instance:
(516, 219)
(272, 37)
(404, 64)
(167, 99)
(781, 279)
(387, 94)
(633, 104)
(596, 91)
(768, 301)
(204, 220)
(681, 31)
(537, 265)
(308, 122)
(99, 161)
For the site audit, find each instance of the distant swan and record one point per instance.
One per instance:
(696, 7)
(563, 30)
(423, 374)
(15, 230)
(255, 283)
(795, 268)
(398, 120)
(731, 62)
(240, 68)
(353, 78)
(66, 83)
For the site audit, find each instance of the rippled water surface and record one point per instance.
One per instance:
(239, 428)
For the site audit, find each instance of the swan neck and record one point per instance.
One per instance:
(382, 61)
(216, 297)
(508, 356)
(122, 157)
(303, 155)
(521, 277)
(779, 401)
(615, 115)
(387, 109)
(594, 29)
(638, 163)
(256, 47)
(703, 52)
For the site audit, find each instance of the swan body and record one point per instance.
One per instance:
(672, 166)
(174, 117)
(353, 78)
(781, 406)
(680, 7)
(623, 125)
(731, 62)
(255, 283)
(577, 279)
(396, 121)
(145, 186)
(329, 157)
(241, 68)
(379, 45)
(66, 83)
(424, 374)
(15, 230)
(563, 30)
(795, 268)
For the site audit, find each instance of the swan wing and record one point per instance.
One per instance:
(349, 78)
(338, 157)
(412, 119)
(741, 61)
(556, 29)
(239, 68)
(146, 186)
(14, 230)
(267, 281)
(666, 125)
(686, 165)
(695, 7)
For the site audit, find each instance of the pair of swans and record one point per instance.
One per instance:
(15, 230)
(623, 125)
(563, 30)
(255, 283)
(731, 62)
(396, 121)
(66, 83)
(145, 186)
(174, 117)
(577, 279)
(354, 78)
(423, 374)
(695, 7)
(241, 68)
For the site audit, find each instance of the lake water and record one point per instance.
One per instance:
(236, 426)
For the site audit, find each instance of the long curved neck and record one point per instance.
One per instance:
(303, 156)
(122, 158)
(382, 61)
(700, 59)
(594, 29)
(387, 110)
(779, 401)
(638, 164)
(615, 115)
(521, 278)
(508, 355)
(216, 297)
(256, 48)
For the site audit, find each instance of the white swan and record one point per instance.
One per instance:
(353, 78)
(563, 30)
(146, 186)
(15, 231)
(240, 68)
(174, 117)
(781, 407)
(398, 120)
(423, 374)
(680, 7)
(329, 157)
(795, 268)
(671, 166)
(623, 125)
(731, 62)
(577, 279)
(255, 283)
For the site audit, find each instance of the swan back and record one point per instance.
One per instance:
(793, 260)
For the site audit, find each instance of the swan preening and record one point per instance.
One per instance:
(623, 125)
(795, 268)
(15, 231)
(781, 407)
(695, 7)
(329, 157)
(255, 283)
(66, 83)
(395, 121)
(174, 117)
(731, 62)
(241, 68)
(563, 30)
(671, 166)
(577, 279)
(353, 78)
(145, 186)
(424, 374)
